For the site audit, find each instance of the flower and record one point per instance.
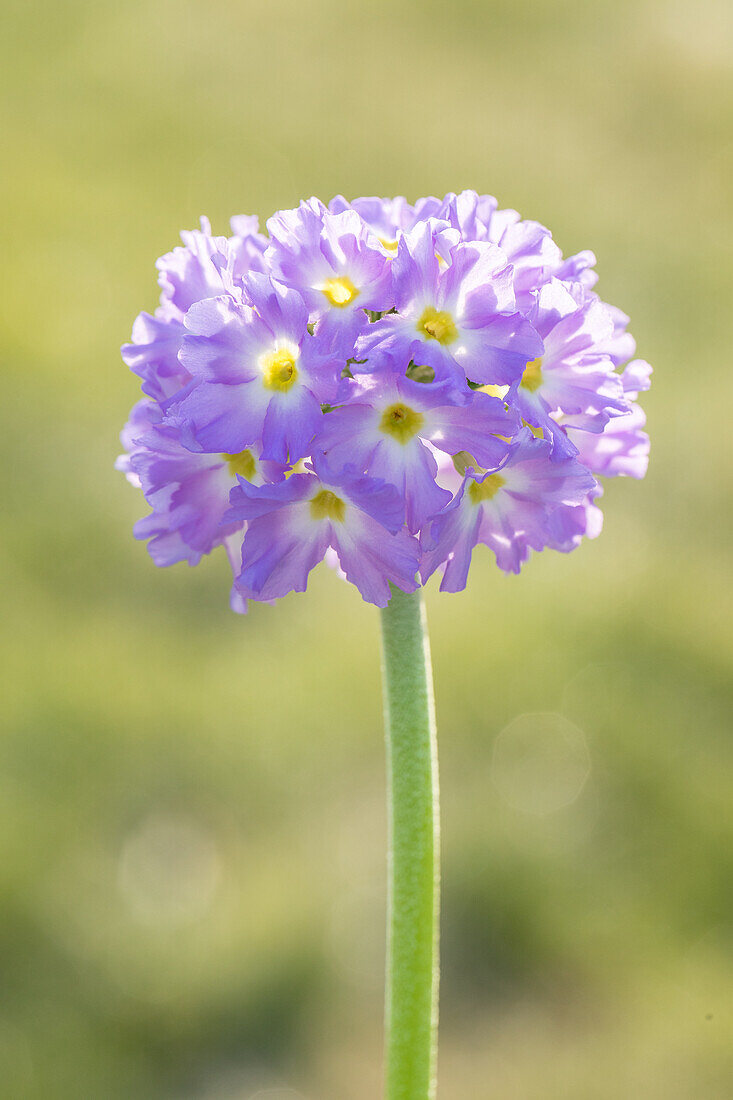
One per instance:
(291, 525)
(388, 219)
(257, 371)
(386, 425)
(195, 271)
(455, 310)
(204, 267)
(336, 264)
(622, 449)
(381, 386)
(508, 509)
(188, 491)
(527, 245)
(575, 378)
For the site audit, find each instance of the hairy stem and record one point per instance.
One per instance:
(411, 1008)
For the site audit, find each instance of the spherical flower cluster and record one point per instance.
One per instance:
(382, 386)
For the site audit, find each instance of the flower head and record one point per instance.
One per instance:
(382, 386)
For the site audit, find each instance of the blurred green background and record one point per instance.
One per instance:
(191, 804)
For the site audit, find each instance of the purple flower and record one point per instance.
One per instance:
(291, 525)
(574, 378)
(389, 420)
(153, 354)
(457, 317)
(527, 245)
(258, 372)
(204, 267)
(247, 245)
(337, 266)
(569, 525)
(187, 491)
(622, 449)
(508, 510)
(192, 271)
(380, 385)
(388, 219)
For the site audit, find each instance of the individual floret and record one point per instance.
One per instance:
(454, 313)
(291, 525)
(259, 375)
(506, 509)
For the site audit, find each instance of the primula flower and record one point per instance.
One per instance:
(380, 385)
(574, 377)
(387, 422)
(196, 270)
(203, 267)
(188, 491)
(622, 449)
(527, 245)
(457, 316)
(337, 266)
(153, 354)
(291, 525)
(388, 219)
(258, 373)
(507, 509)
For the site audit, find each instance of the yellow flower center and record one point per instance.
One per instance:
(391, 246)
(340, 291)
(437, 324)
(278, 370)
(401, 422)
(326, 505)
(479, 491)
(243, 464)
(532, 377)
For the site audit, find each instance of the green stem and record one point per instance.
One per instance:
(411, 1009)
